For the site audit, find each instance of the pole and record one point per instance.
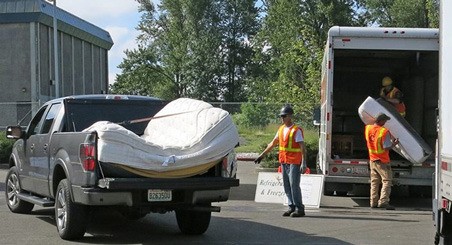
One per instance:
(55, 51)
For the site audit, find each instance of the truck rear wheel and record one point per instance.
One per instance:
(193, 222)
(71, 218)
(446, 228)
(12, 189)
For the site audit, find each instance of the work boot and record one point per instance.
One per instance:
(387, 206)
(288, 212)
(298, 213)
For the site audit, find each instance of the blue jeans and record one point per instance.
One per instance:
(291, 179)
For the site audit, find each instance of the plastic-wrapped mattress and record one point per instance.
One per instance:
(186, 137)
(411, 145)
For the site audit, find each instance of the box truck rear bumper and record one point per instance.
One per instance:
(366, 180)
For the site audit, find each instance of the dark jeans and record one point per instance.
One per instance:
(291, 179)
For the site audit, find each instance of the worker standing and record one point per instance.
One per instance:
(379, 142)
(393, 95)
(292, 156)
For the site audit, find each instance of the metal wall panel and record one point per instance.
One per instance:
(15, 62)
(78, 67)
(96, 70)
(87, 68)
(66, 67)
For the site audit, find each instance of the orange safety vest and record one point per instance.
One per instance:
(375, 136)
(289, 150)
(400, 107)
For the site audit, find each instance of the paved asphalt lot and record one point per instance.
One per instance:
(339, 220)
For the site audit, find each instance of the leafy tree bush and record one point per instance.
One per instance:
(253, 115)
(6, 146)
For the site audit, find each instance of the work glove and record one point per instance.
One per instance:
(258, 160)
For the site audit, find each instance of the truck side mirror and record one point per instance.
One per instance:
(316, 116)
(14, 132)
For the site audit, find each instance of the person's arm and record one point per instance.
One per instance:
(300, 140)
(389, 142)
(397, 98)
(303, 166)
(269, 147)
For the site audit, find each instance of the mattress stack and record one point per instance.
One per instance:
(186, 137)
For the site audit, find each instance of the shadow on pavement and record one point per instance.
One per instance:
(109, 227)
(244, 192)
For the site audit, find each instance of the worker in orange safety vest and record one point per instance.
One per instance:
(393, 95)
(292, 157)
(379, 142)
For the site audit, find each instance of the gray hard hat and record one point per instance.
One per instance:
(286, 110)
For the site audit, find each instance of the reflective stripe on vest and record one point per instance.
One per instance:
(375, 144)
(400, 107)
(379, 143)
(289, 150)
(289, 147)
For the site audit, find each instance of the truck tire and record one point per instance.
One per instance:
(447, 228)
(12, 189)
(193, 222)
(71, 218)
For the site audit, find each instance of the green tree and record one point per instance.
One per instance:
(291, 44)
(192, 48)
(143, 69)
(403, 13)
(240, 24)
(142, 75)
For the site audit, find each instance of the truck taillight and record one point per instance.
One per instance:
(88, 156)
(446, 204)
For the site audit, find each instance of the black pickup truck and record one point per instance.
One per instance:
(54, 164)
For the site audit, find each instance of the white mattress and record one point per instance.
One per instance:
(188, 133)
(411, 146)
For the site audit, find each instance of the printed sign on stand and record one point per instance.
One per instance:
(270, 189)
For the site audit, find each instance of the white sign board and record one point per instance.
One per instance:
(270, 189)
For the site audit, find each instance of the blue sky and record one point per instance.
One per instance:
(118, 17)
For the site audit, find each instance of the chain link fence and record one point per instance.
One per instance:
(245, 113)
(255, 114)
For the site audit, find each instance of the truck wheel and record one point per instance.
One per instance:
(193, 222)
(447, 228)
(70, 218)
(12, 189)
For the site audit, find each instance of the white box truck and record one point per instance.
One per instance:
(442, 201)
(355, 61)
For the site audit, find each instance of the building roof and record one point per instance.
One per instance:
(24, 11)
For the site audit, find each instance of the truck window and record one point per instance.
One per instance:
(35, 124)
(82, 114)
(49, 118)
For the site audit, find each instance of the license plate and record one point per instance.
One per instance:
(159, 195)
